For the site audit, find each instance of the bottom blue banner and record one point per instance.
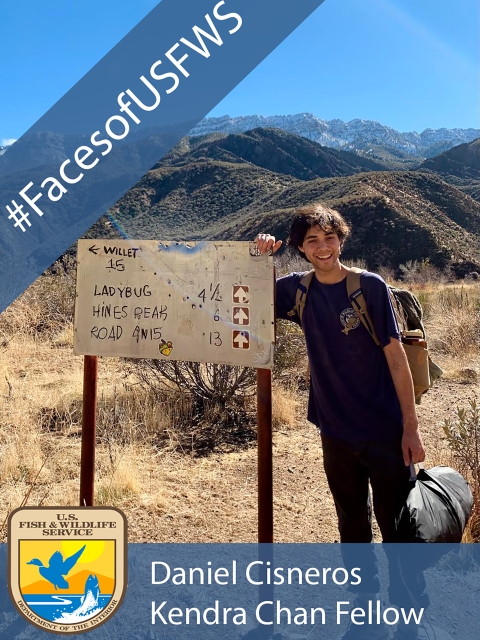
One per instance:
(213, 591)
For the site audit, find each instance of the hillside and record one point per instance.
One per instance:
(277, 151)
(192, 201)
(396, 216)
(459, 166)
(462, 161)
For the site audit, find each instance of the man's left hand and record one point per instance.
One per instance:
(412, 447)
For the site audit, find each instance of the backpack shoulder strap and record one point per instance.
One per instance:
(359, 304)
(301, 295)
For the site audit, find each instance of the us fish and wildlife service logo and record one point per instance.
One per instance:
(349, 320)
(67, 568)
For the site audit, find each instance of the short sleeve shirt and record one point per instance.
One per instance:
(352, 395)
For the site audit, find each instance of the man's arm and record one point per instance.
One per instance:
(412, 444)
(286, 286)
(265, 243)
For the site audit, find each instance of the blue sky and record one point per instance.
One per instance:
(410, 64)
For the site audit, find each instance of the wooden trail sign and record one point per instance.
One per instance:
(203, 302)
(199, 301)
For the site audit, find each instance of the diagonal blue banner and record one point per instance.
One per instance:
(122, 117)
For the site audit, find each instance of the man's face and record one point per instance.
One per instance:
(321, 248)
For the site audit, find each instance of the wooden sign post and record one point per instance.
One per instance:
(89, 423)
(199, 302)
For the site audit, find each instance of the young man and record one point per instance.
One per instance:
(361, 395)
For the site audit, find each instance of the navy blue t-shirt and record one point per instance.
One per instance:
(352, 395)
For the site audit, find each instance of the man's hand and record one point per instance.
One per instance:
(266, 243)
(412, 446)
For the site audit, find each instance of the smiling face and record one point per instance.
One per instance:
(322, 249)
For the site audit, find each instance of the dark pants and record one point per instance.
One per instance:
(349, 468)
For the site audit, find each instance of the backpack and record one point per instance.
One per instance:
(409, 314)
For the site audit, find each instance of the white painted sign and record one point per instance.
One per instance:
(203, 302)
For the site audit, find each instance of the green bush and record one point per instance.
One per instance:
(290, 350)
(462, 434)
(217, 400)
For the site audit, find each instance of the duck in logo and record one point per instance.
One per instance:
(67, 567)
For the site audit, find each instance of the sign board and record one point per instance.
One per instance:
(199, 301)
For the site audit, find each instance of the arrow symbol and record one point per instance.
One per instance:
(94, 249)
(241, 316)
(241, 295)
(242, 340)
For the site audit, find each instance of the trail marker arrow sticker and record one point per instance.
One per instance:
(241, 294)
(241, 340)
(241, 315)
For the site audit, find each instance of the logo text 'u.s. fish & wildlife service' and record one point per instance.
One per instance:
(67, 565)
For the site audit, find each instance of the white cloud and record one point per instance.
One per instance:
(6, 142)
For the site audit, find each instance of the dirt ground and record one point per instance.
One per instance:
(168, 494)
(214, 499)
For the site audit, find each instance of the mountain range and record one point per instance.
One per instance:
(366, 137)
(234, 186)
(218, 185)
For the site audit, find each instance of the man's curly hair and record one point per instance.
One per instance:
(316, 215)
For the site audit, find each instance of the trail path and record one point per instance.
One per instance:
(214, 499)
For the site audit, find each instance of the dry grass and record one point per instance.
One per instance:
(452, 320)
(41, 386)
(285, 405)
(40, 421)
(148, 443)
(120, 480)
(44, 309)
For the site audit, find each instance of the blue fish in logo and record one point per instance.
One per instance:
(57, 567)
